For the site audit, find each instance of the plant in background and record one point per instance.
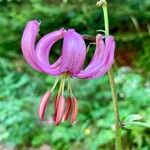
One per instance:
(69, 64)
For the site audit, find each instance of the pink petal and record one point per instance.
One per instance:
(39, 58)
(110, 45)
(102, 59)
(73, 53)
(43, 49)
(28, 43)
(43, 104)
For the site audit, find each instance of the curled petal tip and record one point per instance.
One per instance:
(71, 30)
(63, 29)
(43, 105)
(34, 23)
(99, 36)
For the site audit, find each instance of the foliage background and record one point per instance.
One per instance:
(21, 87)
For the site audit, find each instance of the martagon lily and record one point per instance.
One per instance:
(69, 64)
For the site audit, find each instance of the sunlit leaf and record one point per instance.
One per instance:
(133, 117)
(136, 124)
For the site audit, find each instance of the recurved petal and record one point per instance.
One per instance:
(110, 60)
(45, 44)
(99, 53)
(43, 104)
(43, 52)
(104, 60)
(39, 58)
(73, 52)
(28, 43)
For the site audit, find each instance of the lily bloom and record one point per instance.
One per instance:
(69, 64)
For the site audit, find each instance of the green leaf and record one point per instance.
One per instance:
(136, 124)
(133, 117)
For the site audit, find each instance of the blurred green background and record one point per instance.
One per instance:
(21, 87)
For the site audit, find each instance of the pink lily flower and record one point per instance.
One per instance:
(69, 64)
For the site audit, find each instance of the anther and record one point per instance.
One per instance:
(43, 104)
(60, 110)
(68, 109)
(74, 110)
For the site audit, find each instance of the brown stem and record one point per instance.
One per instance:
(89, 38)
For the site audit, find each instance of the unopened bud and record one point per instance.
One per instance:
(101, 3)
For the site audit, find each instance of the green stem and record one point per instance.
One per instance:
(106, 21)
(118, 145)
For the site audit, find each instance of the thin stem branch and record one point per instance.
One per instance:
(118, 145)
(89, 38)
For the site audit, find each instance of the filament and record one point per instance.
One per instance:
(55, 84)
(69, 88)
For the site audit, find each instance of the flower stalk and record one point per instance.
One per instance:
(118, 144)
